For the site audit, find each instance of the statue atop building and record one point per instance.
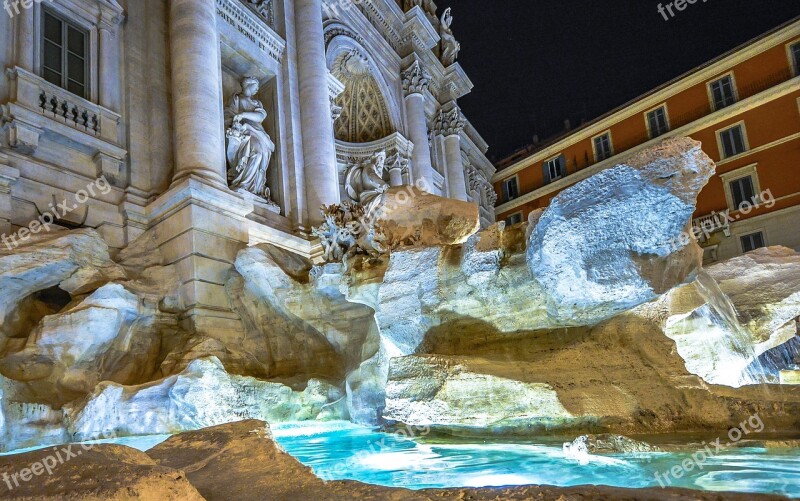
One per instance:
(450, 46)
(249, 148)
(365, 184)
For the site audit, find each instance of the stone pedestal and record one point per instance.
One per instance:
(190, 222)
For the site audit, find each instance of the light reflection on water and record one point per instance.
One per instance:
(344, 451)
(354, 453)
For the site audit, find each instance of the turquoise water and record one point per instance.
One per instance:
(343, 451)
(339, 451)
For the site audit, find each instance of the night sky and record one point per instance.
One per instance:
(535, 63)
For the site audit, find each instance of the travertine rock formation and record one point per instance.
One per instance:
(613, 241)
(202, 396)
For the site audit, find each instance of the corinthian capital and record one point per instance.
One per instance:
(451, 122)
(415, 79)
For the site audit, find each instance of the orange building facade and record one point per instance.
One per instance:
(745, 109)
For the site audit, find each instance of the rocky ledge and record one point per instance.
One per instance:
(241, 461)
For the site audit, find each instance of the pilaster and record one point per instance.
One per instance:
(8, 176)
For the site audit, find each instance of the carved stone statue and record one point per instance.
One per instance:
(365, 184)
(249, 146)
(349, 230)
(450, 46)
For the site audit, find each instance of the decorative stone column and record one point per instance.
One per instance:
(319, 150)
(198, 224)
(26, 29)
(415, 82)
(109, 63)
(450, 124)
(196, 91)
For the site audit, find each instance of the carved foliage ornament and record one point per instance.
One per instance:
(415, 79)
(450, 123)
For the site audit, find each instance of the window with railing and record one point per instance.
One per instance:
(657, 122)
(723, 93)
(602, 147)
(65, 54)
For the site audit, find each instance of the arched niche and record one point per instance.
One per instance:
(368, 112)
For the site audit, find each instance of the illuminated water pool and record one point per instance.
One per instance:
(339, 451)
(343, 451)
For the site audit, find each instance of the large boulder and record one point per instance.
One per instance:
(77, 262)
(111, 335)
(410, 216)
(203, 395)
(618, 239)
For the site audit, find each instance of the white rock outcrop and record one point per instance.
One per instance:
(77, 261)
(203, 395)
(613, 241)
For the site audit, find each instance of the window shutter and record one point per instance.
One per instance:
(562, 165)
(546, 172)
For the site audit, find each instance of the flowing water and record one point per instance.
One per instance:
(344, 451)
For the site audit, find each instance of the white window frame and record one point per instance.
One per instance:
(734, 175)
(76, 13)
(563, 174)
(745, 139)
(515, 177)
(751, 232)
(710, 91)
(610, 145)
(666, 116)
(792, 63)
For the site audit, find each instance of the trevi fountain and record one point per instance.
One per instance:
(246, 308)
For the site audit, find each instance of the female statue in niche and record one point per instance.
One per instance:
(249, 146)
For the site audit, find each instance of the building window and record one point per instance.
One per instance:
(723, 93)
(794, 55)
(743, 191)
(555, 168)
(510, 188)
(657, 122)
(602, 147)
(732, 141)
(513, 219)
(752, 242)
(65, 55)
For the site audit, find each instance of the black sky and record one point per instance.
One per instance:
(535, 63)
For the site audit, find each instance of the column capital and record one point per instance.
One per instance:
(415, 79)
(450, 122)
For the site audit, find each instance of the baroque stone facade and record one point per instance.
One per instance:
(221, 124)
